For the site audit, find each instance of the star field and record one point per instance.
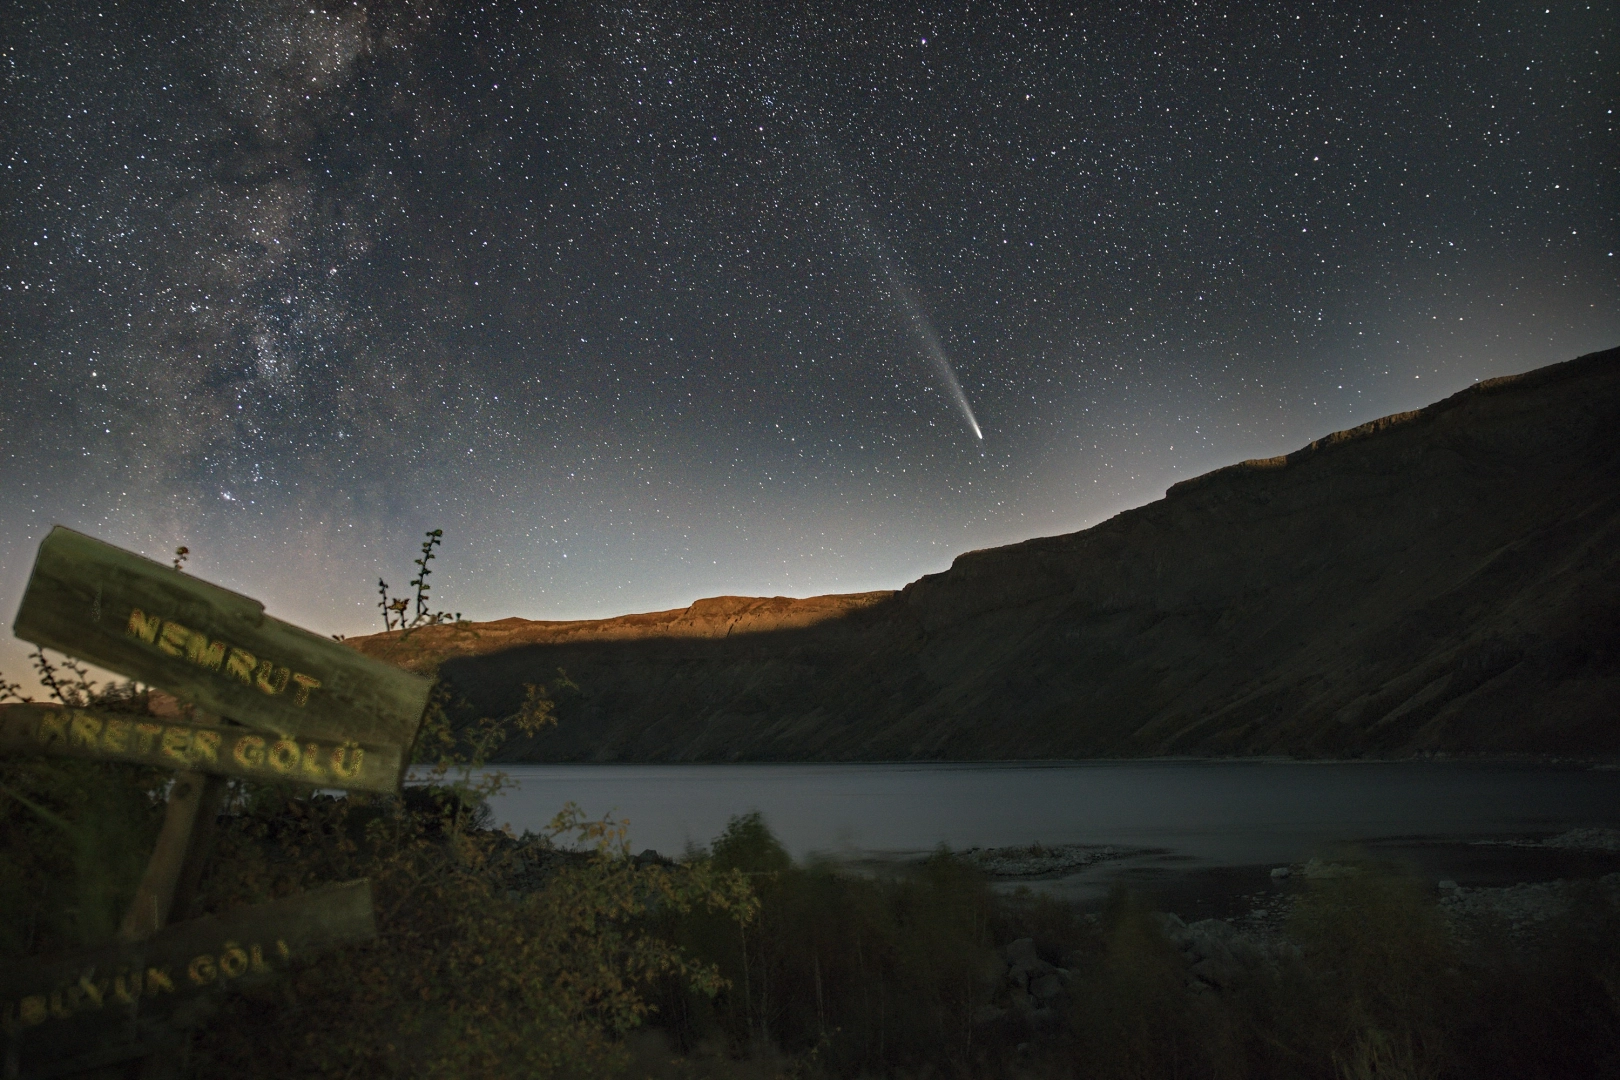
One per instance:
(634, 301)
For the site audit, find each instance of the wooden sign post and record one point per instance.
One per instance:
(301, 708)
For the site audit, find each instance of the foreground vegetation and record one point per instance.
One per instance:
(563, 956)
(845, 975)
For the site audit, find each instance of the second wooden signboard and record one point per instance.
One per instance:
(222, 750)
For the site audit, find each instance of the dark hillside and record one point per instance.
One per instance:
(1442, 580)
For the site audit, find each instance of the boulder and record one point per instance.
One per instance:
(1021, 953)
(1318, 869)
(988, 1014)
(1046, 987)
(1174, 930)
(1219, 954)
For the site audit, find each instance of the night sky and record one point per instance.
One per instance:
(641, 303)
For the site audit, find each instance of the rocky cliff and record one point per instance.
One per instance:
(1441, 580)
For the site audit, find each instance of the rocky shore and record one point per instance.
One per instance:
(1221, 954)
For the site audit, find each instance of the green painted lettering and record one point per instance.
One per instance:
(142, 626)
(147, 736)
(204, 747)
(270, 678)
(239, 665)
(176, 740)
(53, 728)
(174, 639)
(284, 756)
(115, 735)
(86, 729)
(205, 654)
(306, 683)
(202, 970)
(233, 961)
(346, 761)
(249, 751)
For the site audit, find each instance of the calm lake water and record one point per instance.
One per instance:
(1201, 813)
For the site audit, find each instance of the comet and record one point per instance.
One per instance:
(921, 326)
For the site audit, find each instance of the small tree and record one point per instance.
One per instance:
(394, 609)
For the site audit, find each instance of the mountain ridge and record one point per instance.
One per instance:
(1439, 580)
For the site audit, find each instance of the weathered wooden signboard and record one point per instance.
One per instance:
(217, 749)
(212, 647)
(73, 1013)
(290, 706)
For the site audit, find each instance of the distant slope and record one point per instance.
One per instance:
(1442, 580)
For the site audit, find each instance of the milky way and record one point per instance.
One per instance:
(292, 283)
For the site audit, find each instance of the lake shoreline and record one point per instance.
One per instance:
(1137, 821)
(1254, 896)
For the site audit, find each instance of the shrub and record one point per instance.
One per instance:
(1379, 974)
(1133, 1012)
(864, 974)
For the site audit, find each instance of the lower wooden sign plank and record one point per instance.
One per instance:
(176, 744)
(72, 1012)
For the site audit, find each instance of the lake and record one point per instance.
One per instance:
(1189, 815)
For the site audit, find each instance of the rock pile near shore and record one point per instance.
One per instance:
(1523, 909)
(1040, 861)
(1572, 840)
(1218, 956)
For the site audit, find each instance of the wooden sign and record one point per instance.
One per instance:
(315, 712)
(212, 647)
(59, 731)
(104, 1005)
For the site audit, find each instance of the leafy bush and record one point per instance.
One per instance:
(472, 975)
(481, 967)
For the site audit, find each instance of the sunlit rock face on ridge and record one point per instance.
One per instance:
(714, 617)
(1446, 580)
